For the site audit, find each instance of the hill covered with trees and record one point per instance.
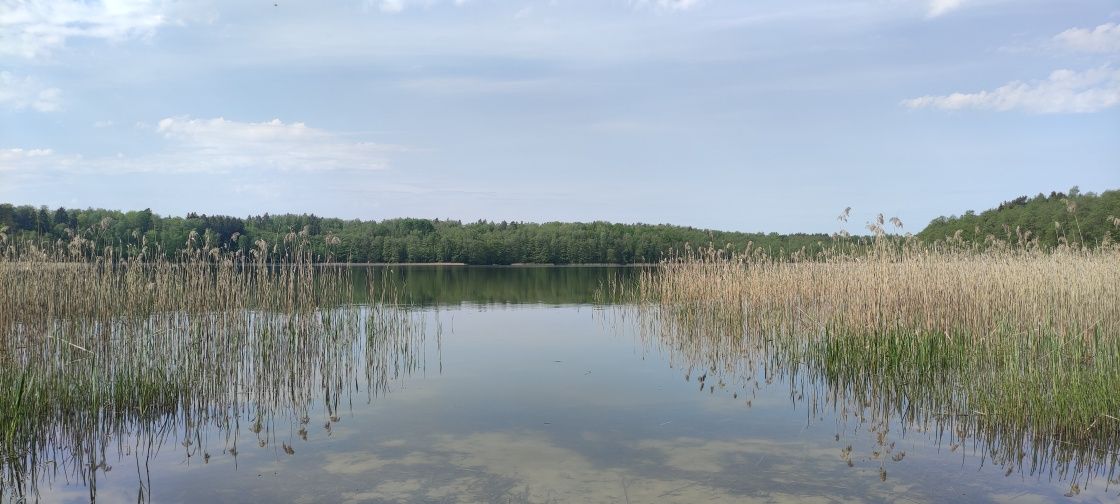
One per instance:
(1072, 218)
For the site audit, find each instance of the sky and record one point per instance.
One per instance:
(760, 115)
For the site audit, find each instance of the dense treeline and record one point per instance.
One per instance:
(1073, 218)
(388, 241)
(1048, 220)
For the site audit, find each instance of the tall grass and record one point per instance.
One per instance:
(97, 352)
(1016, 347)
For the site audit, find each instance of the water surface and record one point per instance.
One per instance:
(528, 388)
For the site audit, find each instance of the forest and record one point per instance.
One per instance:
(1072, 218)
(404, 240)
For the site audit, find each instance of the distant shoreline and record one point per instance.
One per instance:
(515, 265)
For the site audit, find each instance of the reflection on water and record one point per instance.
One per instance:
(888, 398)
(100, 391)
(550, 399)
(498, 285)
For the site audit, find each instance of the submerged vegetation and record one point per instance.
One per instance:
(99, 352)
(1013, 346)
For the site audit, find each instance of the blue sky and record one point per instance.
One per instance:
(762, 115)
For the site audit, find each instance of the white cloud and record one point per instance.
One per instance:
(1102, 39)
(103, 124)
(27, 92)
(1065, 91)
(940, 7)
(32, 28)
(222, 146)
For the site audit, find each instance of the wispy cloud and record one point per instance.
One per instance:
(1065, 91)
(32, 28)
(474, 85)
(623, 126)
(391, 6)
(1102, 39)
(222, 146)
(673, 5)
(27, 92)
(395, 6)
(941, 7)
(17, 159)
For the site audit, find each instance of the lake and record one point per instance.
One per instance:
(525, 384)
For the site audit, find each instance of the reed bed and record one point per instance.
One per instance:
(97, 352)
(1016, 347)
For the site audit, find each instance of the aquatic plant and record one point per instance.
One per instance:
(99, 352)
(1012, 346)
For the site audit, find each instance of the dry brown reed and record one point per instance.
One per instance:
(922, 290)
(1011, 345)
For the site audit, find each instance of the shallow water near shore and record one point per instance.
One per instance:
(528, 387)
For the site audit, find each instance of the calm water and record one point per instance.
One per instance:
(526, 390)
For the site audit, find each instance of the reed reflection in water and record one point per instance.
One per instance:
(1011, 352)
(104, 358)
(527, 397)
